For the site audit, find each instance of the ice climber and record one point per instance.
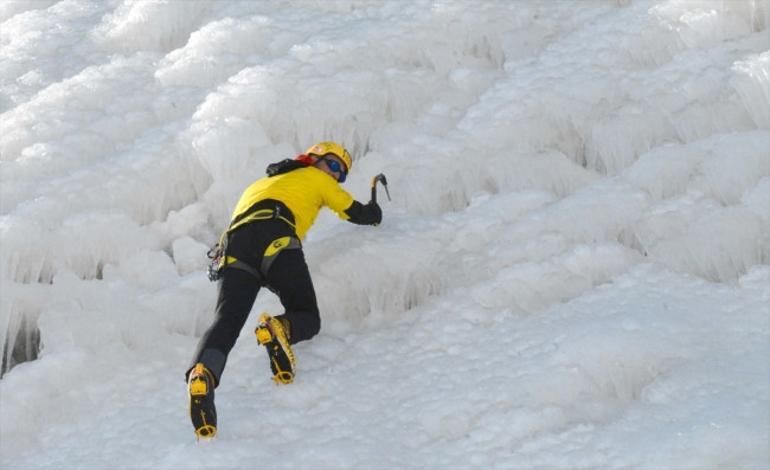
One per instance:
(261, 247)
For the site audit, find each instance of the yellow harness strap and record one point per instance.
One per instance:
(262, 214)
(269, 256)
(277, 246)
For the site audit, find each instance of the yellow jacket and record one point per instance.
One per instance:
(304, 191)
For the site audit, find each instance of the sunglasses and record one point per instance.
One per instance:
(336, 167)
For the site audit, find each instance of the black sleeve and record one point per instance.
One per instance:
(369, 214)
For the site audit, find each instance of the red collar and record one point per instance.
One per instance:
(306, 159)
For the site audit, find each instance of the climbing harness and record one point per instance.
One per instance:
(263, 210)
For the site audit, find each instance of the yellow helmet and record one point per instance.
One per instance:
(325, 148)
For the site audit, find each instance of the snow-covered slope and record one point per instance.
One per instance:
(574, 271)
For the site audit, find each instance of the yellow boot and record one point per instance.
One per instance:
(274, 335)
(203, 413)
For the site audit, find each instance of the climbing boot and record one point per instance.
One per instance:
(203, 413)
(273, 333)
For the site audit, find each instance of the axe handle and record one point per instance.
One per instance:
(381, 179)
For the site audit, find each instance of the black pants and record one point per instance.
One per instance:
(288, 277)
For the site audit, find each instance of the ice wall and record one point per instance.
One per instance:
(515, 99)
(535, 150)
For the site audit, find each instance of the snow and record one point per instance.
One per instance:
(574, 271)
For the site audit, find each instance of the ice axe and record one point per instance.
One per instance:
(379, 178)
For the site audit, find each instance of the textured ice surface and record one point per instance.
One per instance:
(573, 273)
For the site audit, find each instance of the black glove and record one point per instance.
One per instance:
(376, 212)
(369, 214)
